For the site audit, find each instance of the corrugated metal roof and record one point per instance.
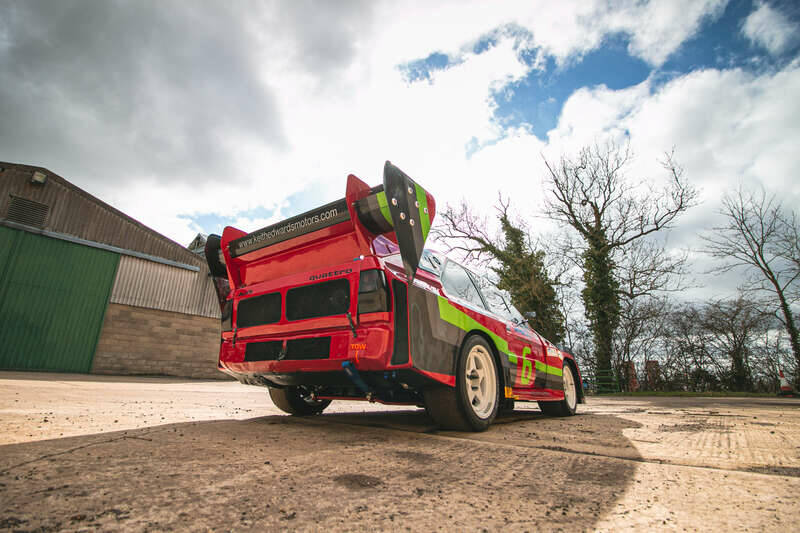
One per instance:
(144, 283)
(73, 211)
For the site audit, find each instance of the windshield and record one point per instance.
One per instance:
(516, 316)
(499, 301)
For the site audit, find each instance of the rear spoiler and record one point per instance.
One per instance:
(399, 209)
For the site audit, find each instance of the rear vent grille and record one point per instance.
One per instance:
(322, 299)
(264, 309)
(296, 349)
(314, 348)
(263, 351)
(27, 212)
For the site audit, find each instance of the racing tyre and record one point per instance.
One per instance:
(473, 404)
(569, 404)
(297, 401)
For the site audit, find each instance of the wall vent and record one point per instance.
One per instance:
(28, 212)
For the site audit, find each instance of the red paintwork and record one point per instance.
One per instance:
(442, 378)
(348, 247)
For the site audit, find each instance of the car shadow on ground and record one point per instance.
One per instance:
(354, 471)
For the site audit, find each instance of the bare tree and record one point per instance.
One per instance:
(642, 326)
(788, 246)
(461, 229)
(614, 214)
(517, 261)
(733, 326)
(760, 237)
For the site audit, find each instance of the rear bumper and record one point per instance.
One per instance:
(370, 350)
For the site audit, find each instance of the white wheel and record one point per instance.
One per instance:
(481, 381)
(473, 403)
(569, 405)
(570, 391)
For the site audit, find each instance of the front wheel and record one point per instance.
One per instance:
(297, 401)
(569, 404)
(473, 404)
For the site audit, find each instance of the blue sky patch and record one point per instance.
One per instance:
(297, 203)
(421, 69)
(721, 44)
(538, 98)
(536, 101)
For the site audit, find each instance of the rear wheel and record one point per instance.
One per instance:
(297, 401)
(475, 400)
(569, 404)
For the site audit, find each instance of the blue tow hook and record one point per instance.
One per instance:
(352, 373)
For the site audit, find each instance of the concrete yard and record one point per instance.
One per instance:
(81, 452)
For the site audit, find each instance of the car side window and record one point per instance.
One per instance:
(457, 282)
(494, 299)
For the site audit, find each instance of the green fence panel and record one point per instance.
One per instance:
(53, 297)
(606, 382)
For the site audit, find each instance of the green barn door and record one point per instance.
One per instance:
(53, 295)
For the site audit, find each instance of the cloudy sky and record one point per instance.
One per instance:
(190, 116)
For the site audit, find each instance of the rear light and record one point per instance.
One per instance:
(373, 293)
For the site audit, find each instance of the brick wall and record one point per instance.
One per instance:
(136, 340)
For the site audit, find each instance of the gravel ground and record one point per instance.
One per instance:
(92, 452)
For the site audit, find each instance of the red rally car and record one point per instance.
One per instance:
(344, 302)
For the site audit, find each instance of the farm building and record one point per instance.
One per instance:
(86, 288)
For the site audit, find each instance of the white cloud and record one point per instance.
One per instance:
(368, 112)
(657, 29)
(359, 110)
(771, 29)
(728, 128)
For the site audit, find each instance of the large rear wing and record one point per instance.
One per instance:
(399, 209)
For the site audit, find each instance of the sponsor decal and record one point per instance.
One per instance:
(554, 352)
(326, 275)
(528, 373)
(358, 347)
(327, 215)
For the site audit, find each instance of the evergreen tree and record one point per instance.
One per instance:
(520, 268)
(522, 273)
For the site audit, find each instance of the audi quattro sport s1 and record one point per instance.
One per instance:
(344, 302)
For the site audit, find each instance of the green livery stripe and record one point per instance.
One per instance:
(452, 315)
(463, 321)
(424, 217)
(547, 369)
(384, 205)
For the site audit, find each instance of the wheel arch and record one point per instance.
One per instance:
(578, 379)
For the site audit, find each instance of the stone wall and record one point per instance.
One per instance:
(137, 340)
